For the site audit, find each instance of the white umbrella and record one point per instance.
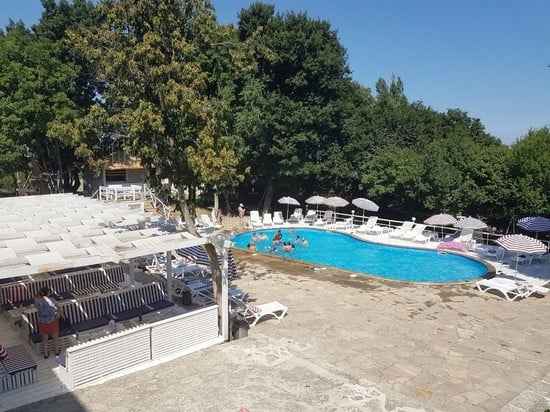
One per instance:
(336, 201)
(441, 219)
(365, 204)
(470, 223)
(287, 200)
(316, 200)
(522, 244)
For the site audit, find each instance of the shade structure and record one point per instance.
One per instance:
(441, 219)
(470, 223)
(452, 245)
(316, 200)
(336, 201)
(197, 255)
(522, 244)
(287, 200)
(534, 223)
(365, 204)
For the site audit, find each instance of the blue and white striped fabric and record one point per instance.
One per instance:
(534, 223)
(197, 255)
(522, 244)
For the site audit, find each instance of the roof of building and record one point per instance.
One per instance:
(45, 233)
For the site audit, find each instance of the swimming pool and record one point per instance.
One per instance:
(349, 253)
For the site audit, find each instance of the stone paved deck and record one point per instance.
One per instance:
(351, 344)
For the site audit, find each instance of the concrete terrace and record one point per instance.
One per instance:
(353, 343)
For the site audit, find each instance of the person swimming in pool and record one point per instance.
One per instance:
(277, 237)
(288, 247)
(305, 243)
(262, 236)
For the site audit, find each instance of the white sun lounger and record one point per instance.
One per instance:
(278, 219)
(253, 313)
(414, 232)
(511, 289)
(400, 231)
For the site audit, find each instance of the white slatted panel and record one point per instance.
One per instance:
(106, 356)
(192, 329)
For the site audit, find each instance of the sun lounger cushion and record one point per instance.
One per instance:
(20, 368)
(160, 304)
(128, 314)
(89, 324)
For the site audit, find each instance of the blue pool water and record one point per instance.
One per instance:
(326, 248)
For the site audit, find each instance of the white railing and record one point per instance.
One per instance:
(485, 237)
(114, 193)
(140, 346)
(156, 202)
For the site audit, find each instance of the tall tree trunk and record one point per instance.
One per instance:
(209, 248)
(61, 172)
(268, 195)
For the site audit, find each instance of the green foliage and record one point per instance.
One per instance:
(286, 106)
(169, 71)
(530, 174)
(393, 178)
(204, 104)
(40, 87)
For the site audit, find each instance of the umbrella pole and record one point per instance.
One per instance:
(287, 206)
(516, 271)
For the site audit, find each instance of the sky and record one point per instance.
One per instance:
(489, 58)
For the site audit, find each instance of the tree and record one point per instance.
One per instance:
(286, 104)
(461, 176)
(393, 177)
(530, 174)
(42, 87)
(157, 58)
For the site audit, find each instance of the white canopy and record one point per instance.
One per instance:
(61, 231)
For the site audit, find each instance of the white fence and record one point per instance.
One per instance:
(113, 193)
(141, 345)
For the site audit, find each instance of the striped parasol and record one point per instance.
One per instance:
(522, 244)
(470, 223)
(197, 255)
(534, 224)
